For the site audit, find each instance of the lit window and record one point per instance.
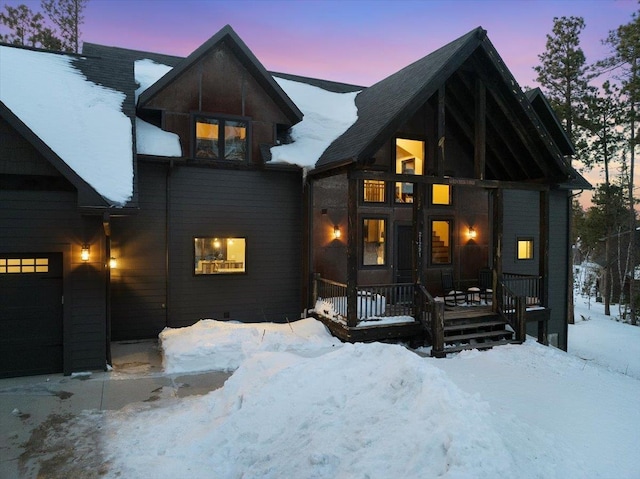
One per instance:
(441, 242)
(219, 255)
(373, 191)
(373, 241)
(441, 195)
(220, 139)
(409, 161)
(24, 265)
(525, 248)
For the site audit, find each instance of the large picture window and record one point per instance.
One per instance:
(220, 139)
(409, 161)
(373, 242)
(217, 255)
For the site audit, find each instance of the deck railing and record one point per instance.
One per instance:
(373, 302)
(526, 286)
(512, 307)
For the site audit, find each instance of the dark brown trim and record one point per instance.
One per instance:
(480, 131)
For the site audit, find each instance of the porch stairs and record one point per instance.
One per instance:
(474, 330)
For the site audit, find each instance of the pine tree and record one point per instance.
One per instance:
(24, 24)
(625, 62)
(563, 76)
(67, 16)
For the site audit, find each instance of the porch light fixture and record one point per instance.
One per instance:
(336, 232)
(84, 253)
(113, 263)
(472, 233)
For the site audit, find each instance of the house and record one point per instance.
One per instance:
(143, 191)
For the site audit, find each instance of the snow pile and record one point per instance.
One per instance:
(71, 115)
(327, 115)
(224, 345)
(365, 410)
(151, 140)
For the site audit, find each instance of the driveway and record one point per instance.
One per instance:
(41, 427)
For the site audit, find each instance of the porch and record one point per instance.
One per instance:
(407, 311)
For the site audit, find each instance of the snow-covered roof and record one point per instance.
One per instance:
(80, 121)
(327, 115)
(151, 140)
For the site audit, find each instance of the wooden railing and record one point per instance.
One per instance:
(526, 286)
(432, 317)
(521, 300)
(512, 308)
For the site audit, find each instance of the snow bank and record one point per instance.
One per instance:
(223, 345)
(365, 410)
(327, 115)
(71, 115)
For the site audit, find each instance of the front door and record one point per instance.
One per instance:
(404, 254)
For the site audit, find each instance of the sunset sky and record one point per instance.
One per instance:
(354, 41)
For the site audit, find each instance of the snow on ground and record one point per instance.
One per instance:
(71, 115)
(224, 345)
(302, 405)
(327, 115)
(604, 340)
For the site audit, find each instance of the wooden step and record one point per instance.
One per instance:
(474, 325)
(484, 345)
(503, 333)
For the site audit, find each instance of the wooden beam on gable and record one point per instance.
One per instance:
(352, 253)
(515, 118)
(440, 134)
(480, 143)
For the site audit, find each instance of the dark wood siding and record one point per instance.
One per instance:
(49, 221)
(138, 284)
(558, 265)
(265, 207)
(521, 220)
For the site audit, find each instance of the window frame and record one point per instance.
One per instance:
(361, 237)
(373, 203)
(394, 165)
(451, 222)
(221, 119)
(441, 205)
(533, 248)
(195, 259)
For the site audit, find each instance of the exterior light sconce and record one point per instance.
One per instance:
(113, 263)
(336, 232)
(84, 253)
(472, 233)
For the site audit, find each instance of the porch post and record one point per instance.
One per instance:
(498, 228)
(418, 233)
(352, 253)
(543, 268)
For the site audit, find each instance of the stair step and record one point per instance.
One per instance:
(479, 324)
(503, 333)
(485, 345)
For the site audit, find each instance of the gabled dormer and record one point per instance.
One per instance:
(221, 102)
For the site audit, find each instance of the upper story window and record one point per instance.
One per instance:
(441, 195)
(525, 248)
(409, 161)
(221, 139)
(373, 191)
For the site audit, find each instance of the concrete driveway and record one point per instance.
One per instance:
(37, 439)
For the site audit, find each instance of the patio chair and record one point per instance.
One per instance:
(452, 296)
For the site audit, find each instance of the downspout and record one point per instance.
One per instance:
(167, 238)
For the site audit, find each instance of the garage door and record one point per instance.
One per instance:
(30, 314)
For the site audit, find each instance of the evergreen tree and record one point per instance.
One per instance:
(67, 16)
(625, 62)
(563, 76)
(25, 25)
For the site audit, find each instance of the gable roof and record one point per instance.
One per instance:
(248, 59)
(63, 104)
(384, 107)
(549, 118)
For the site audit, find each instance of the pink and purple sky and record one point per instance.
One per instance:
(351, 41)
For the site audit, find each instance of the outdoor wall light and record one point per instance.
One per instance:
(336, 232)
(84, 253)
(472, 233)
(113, 263)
